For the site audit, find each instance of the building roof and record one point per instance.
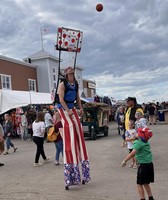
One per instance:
(79, 67)
(16, 61)
(40, 55)
(88, 80)
(76, 67)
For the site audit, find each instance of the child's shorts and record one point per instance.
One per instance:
(130, 150)
(145, 174)
(123, 136)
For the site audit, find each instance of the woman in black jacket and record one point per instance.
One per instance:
(8, 130)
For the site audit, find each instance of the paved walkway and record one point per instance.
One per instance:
(19, 180)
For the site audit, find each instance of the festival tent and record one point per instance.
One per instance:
(10, 99)
(87, 99)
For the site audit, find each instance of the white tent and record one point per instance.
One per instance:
(10, 99)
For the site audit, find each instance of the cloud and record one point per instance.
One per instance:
(124, 45)
(145, 85)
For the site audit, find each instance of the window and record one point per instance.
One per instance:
(92, 93)
(53, 70)
(79, 79)
(85, 92)
(55, 85)
(54, 78)
(6, 82)
(32, 85)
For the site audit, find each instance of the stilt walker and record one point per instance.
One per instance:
(75, 152)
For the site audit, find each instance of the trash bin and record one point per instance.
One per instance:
(161, 116)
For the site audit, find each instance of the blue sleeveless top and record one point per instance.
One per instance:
(70, 95)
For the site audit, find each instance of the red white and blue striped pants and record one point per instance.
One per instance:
(74, 149)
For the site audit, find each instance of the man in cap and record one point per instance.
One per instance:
(73, 139)
(132, 108)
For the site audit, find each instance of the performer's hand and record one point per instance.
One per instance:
(81, 112)
(70, 112)
(9, 134)
(123, 164)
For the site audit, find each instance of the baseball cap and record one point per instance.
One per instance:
(45, 110)
(131, 99)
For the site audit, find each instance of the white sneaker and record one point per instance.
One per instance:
(37, 164)
(57, 163)
(47, 159)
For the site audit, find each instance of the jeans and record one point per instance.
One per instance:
(9, 143)
(40, 149)
(59, 149)
(24, 132)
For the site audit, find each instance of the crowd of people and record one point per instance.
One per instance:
(150, 110)
(26, 123)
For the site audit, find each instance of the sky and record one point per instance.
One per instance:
(124, 47)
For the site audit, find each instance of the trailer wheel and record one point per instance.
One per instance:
(106, 131)
(93, 135)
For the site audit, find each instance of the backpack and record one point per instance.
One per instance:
(66, 90)
(52, 135)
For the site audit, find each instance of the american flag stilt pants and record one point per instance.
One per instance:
(74, 149)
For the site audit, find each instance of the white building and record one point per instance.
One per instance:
(47, 70)
(47, 74)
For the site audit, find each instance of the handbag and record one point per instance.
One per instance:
(52, 135)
